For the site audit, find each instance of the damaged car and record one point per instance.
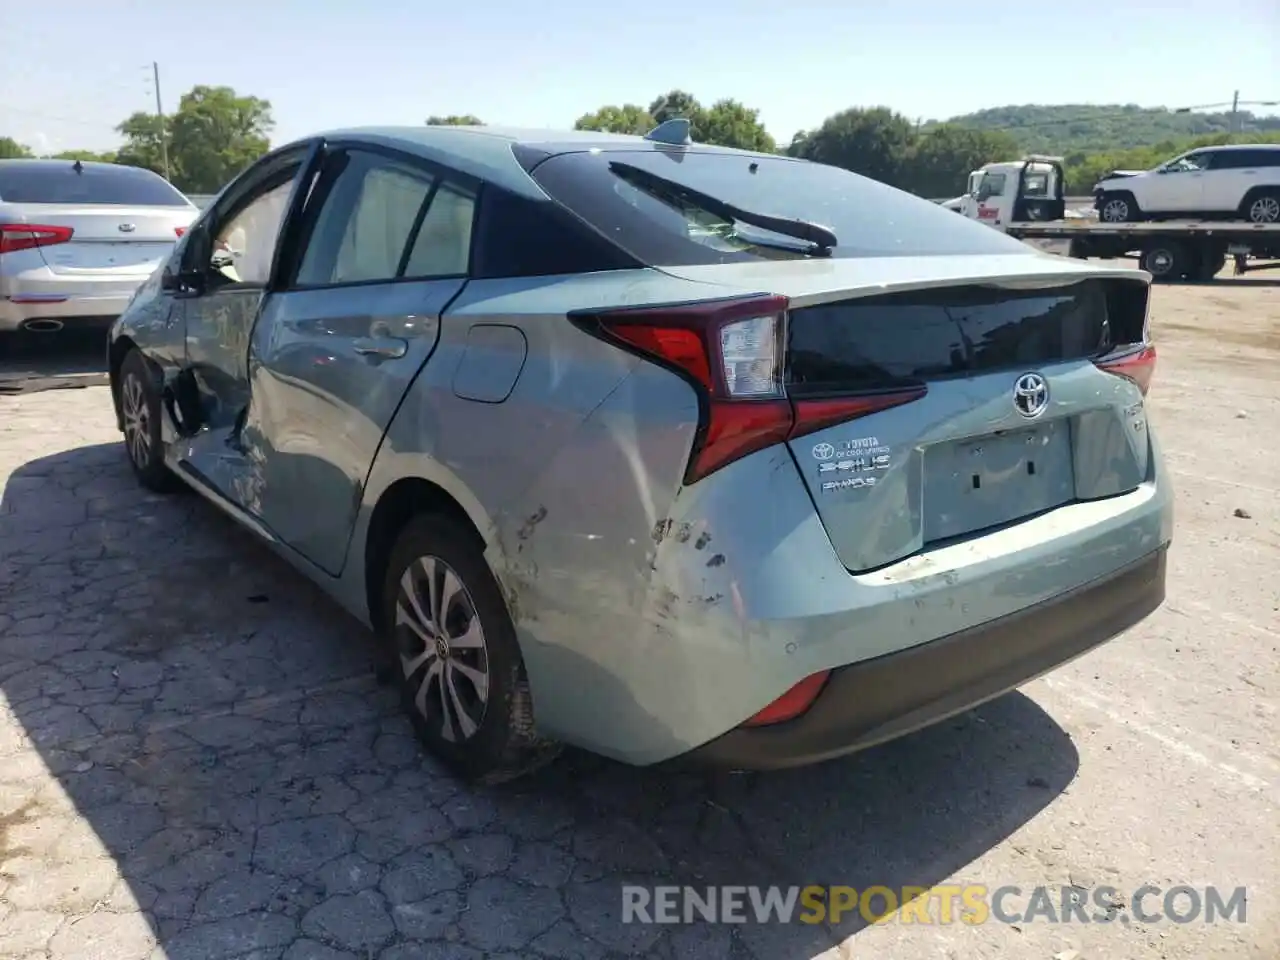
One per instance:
(667, 451)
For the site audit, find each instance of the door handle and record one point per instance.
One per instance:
(384, 347)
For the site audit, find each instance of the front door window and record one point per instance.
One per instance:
(237, 251)
(244, 246)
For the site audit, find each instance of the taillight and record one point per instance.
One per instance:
(179, 230)
(1137, 364)
(792, 703)
(28, 236)
(733, 352)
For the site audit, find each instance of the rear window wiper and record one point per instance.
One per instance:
(821, 237)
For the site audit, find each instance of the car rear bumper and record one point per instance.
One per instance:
(70, 311)
(870, 702)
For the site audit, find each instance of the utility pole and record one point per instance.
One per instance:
(164, 133)
(1235, 103)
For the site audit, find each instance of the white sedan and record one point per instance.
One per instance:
(77, 239)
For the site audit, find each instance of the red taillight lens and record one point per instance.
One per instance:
(812, 415)
(28, 236)
(1138, 365)
(737, 428)
(179, 230)
(733, 352)
(792, 703)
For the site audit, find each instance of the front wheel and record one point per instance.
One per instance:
(1118, 208)
(457, 661)
(140, 413)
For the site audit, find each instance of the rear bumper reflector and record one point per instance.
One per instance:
(792, 703)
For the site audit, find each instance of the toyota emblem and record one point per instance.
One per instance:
(823, 451)
(1031, 395)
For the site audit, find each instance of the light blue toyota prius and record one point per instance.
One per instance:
(662, 450)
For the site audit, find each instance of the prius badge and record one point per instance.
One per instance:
(1031, 395)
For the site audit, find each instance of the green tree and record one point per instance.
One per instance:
(797, 148)
(676, 104)
(454, 120)
(11, 149)
(216, 133)
(142, 147)
(628, 118)
(1106, 128)
(107, 157)
(940, 159)
(729, 123)
(874, 142)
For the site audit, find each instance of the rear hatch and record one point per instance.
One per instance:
(992, 396)
(123, 221)
(1016, 418)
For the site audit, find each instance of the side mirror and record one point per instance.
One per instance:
(181, 281)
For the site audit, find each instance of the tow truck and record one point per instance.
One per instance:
(1025, 199)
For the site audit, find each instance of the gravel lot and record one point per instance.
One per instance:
(196, 761)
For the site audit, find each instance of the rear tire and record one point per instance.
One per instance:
(1262, 207)
(1119, 207)
(1165, 261)
(141, 411)
(1210, 265)
(455, 656)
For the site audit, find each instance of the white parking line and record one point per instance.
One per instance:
(1121, 714)
(1227, 616)
(1230, 483)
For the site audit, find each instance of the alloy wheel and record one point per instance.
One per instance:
(137, 421)
(442, 649)
(1115, 211)
(1265, 210)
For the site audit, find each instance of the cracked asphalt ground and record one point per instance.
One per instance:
(196, 761)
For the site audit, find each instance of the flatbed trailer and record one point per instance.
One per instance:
(1169, 250)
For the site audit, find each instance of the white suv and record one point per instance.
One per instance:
(1238, 181)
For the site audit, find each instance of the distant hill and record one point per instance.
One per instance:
(1065, 129)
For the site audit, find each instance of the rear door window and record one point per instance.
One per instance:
(382, 219)
(38, 181)
(1247, 159)
(443, 245)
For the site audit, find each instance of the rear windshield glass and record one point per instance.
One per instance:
(663, 227)
(899, 340)
(95, 183)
